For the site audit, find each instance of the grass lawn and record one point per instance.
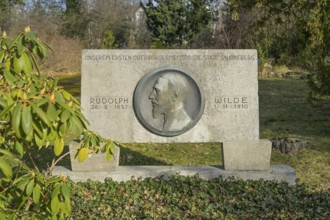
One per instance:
(284, 112)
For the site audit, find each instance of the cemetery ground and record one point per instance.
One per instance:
(285, 113)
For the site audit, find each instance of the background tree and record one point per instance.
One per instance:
(176, 24)
(46, 18)
(90, 21)
(108, 40)
(299, 32)
(75, 18)
(114, 16)
(7, 12)
(140, 35)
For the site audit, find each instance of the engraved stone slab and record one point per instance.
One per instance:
(171, 95)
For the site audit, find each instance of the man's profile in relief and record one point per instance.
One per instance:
(168, 97)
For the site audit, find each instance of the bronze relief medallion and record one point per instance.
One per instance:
(168, 101)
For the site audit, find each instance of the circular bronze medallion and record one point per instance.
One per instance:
(168, 101)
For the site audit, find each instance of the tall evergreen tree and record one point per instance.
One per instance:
(75, 18)
(176, 23)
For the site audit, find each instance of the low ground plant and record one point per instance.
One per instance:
(179, 197)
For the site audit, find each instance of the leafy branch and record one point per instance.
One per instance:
(36, 113)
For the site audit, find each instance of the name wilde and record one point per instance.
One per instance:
(231, 100)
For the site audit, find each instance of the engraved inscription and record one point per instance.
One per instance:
(108, 103)
(230, 103)
(178, 57)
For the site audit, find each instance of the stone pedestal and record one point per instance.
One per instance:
(95, 163)
(246, 155)
(125, 173)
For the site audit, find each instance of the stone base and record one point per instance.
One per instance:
(97, 162)
(247, 155)
(125, 173)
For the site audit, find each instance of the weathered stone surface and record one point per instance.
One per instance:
(120, 99)
(228, 79)
(97, 162)
(247, 155)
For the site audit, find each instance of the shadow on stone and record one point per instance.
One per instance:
(221, 167)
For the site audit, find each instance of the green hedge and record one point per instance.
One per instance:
(181, 197)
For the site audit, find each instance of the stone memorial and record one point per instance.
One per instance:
(169, 96)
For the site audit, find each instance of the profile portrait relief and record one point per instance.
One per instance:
(168, 101)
